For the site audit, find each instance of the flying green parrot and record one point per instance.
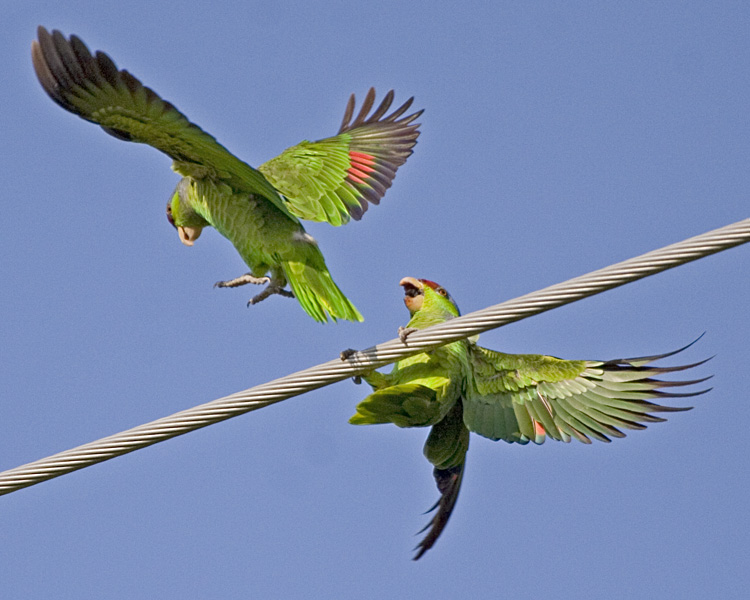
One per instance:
(462, 387)
(258, 210)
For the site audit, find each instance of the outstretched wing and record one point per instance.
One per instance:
(526, 397)
(92, 87)
(335, 178)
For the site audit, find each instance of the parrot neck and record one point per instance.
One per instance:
(219, 206)
(257, 229)
(432, 312)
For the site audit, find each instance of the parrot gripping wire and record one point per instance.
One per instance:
(375, 357)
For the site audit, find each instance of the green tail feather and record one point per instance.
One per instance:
(318, 294)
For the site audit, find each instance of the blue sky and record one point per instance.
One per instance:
(557, 138)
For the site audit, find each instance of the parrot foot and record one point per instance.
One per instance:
(405, 332)
(346, 355)
(270, 291)
(243, 280)
(274, 287)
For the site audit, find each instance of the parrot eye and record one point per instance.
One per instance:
(442, 292)
(170, 218)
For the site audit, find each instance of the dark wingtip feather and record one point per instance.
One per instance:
(663, 384)
(386, 140)
(672, 369)
(67, 56)
(660, 394)
(348, 112)
(366, 106)
(402, 109)
(655, 357)
(61, 65)
(107, 68)
(43, 73)
(66, 67)
(362, 117)
(384, 105)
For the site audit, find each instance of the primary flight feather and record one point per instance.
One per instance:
(258, 210)
(462, 387)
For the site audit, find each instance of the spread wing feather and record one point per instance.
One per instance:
(336, 178)
(527, 397)
(92, 87)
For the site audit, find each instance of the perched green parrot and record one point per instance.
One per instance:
(522, 398)
(258, 210)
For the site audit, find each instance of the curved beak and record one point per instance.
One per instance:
(414, 293)
(411, 282)
(188, 235)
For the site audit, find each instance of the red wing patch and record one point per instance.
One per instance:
(361, 165)
(379, 144)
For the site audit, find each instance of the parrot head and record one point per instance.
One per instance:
(188, 223)
(428, 295)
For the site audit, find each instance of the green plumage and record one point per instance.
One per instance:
(267, 241)
(258, 210)
(521, 398)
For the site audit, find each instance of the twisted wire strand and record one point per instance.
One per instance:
(377, 356)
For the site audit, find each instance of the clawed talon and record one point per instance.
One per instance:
(243, 280)
(274, 287)
(347, 354)
(270, 291)
(405, 332)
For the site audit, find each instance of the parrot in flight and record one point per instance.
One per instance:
(258, 210)
(461, 387)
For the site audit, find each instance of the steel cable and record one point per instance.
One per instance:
(377, 356)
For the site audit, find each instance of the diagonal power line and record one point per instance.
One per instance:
(377, 356)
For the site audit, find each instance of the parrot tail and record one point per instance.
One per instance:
(318, 294)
